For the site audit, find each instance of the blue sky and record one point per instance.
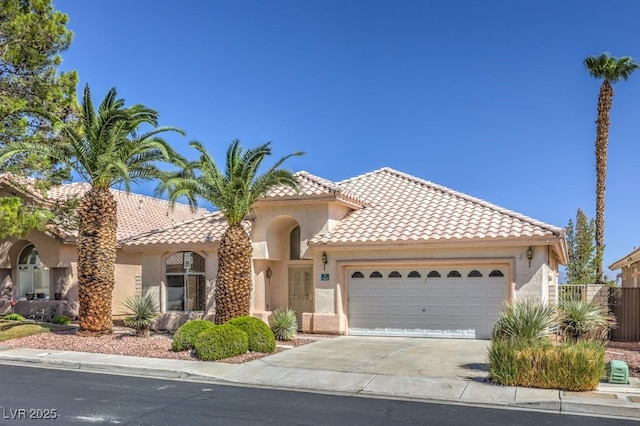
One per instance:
(489, 97)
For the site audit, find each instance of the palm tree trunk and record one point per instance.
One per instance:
(96, 260)
(233, 284)
(602, 140)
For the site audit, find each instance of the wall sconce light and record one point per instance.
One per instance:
(269, 274)
(529, 255)
(324, 260)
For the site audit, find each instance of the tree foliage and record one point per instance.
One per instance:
(610, 70)
(109, 145)
(16, 219)
(32, 36)
(582, 265)
(233, 192)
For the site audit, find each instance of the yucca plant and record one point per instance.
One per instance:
(284, 324)
(579, 319)
(141, 313)
(525, 320)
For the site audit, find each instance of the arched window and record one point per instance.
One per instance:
(496, 273)
(357, 274)
(375, 274)
(474, 274)
(454, 274)
(433, 274)
(294, 244)
(33, 275)
(185, 283)
(395, 274)
(414, 274)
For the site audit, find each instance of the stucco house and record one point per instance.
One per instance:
(630, 268)
(383, 253)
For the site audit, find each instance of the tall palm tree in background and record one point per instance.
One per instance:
(234, 193)
(105, 149)
(610, 70)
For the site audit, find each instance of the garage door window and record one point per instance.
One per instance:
(433, 274)
(375, 274)
(357, 274)
(454, 274)
(475, 274)
(414, 274)
(496, 273)
(395, 274)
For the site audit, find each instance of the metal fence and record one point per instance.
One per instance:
(624, 303)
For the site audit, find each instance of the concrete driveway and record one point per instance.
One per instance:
(398, 356)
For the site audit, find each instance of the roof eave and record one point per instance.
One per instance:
(632, 257)
(460, 242)
(323, 198)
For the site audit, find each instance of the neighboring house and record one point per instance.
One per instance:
(630, 266)
(383, 253)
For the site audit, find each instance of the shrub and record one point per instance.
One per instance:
(574, 367)
(524, 320)
(579, 319)
(14, 317)
(284, 324)
(61, 319)
(221, 341)
(141, 312)
(18, 330)
(185, 336)
(261, 338)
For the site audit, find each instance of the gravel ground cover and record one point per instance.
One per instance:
(123, 342)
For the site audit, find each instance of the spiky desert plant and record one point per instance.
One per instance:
(141, 311)
(579, 319)
(524, 320)
(284, 324)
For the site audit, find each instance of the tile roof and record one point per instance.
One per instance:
(137, 214)
(311, 186)
(208, 229)
(404, 208)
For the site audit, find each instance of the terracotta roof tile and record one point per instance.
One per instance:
(310, 186)
(208, 229)
(401, 207)
(137, 214)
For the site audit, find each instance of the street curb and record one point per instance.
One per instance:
(614, 409)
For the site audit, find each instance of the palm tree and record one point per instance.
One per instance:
(105, 148)
(234, 194)
(610, 70)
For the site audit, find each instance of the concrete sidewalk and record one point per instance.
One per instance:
(372, 378)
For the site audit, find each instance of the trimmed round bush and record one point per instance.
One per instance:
(14, 317)
(220, 342)
(185, 336)
(61, 319)
(261, 338)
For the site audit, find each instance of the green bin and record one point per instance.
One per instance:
(618, 372)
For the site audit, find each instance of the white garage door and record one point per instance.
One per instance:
(438, 302)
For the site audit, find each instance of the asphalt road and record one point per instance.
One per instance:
(42, 396)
